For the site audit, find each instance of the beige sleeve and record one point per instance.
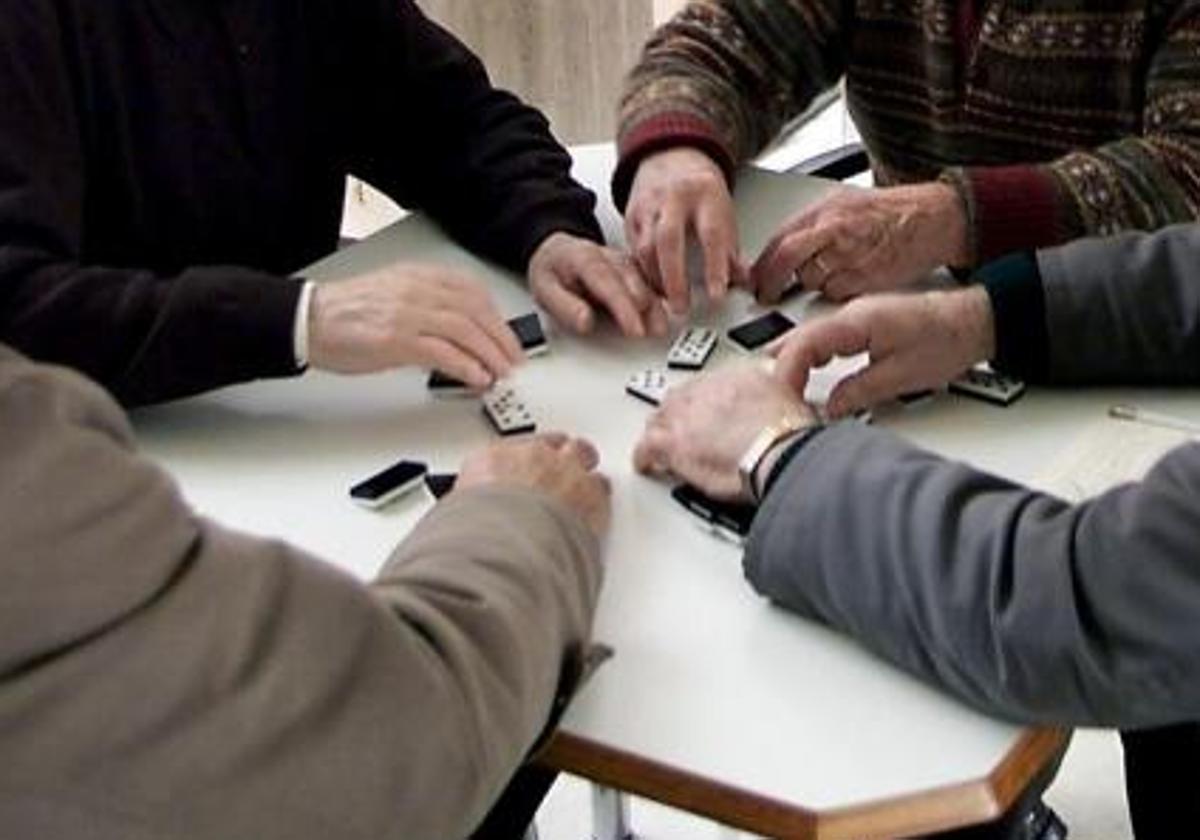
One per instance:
(496, 661)
(169, 678)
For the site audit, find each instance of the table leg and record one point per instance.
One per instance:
(610, 814)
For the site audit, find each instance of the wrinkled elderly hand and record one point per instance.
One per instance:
(561, 467)
(705, 426)
(914, 341)
(858, 241)
(675, 193)
(411, 314)
(571, 276)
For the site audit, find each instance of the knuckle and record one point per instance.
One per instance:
(861, 311)
(669, 237)
(710, 230)
(695, 183)
(593, 265)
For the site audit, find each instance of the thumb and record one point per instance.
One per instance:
(793, 363)
(815, 344)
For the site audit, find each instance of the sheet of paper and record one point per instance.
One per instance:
(1106, 453)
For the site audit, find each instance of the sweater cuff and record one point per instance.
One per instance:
(1009, 208)
(665, 131)
(1014, 285)
(254, 323)
(301, 324)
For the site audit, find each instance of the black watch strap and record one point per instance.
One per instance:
(801, 439)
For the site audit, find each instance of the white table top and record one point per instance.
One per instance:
(710, 686)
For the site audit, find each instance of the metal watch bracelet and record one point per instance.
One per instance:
(763, 442)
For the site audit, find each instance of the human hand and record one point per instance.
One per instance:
(915, 342)
(558, 466)
(411, 314)
(675, 192)
(705, 426)
(570, 275)
(858, 241)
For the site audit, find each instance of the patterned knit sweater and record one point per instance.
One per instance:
(1056, 119)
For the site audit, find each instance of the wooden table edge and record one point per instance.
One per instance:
(935, 809)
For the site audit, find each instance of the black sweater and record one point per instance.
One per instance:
(164, 164)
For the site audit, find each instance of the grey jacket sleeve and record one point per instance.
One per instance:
(1125, 309)
(165, 677)
(1016, 602)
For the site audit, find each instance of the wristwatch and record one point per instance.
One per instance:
(774, 432)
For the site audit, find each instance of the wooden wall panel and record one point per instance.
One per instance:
(663, 9)
(568, 57)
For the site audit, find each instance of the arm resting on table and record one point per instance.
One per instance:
(174, 678)
(145, 336)
(1017, 602)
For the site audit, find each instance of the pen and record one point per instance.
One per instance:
(1135, 414)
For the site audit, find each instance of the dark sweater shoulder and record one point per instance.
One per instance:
(166, 164)
(208, 135)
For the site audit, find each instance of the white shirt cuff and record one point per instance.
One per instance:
(300, 325)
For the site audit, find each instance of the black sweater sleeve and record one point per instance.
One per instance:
(1014, 286)
(440, 138)
(144, 336)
